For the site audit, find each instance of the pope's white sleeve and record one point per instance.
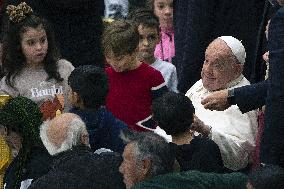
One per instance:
(237, 144)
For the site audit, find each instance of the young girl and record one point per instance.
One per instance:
(31, 63)
(163, 9)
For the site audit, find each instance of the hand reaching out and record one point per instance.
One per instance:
(216, 101)
(200, 127)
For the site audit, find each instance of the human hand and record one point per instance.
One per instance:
(200, 127)
(216, 101)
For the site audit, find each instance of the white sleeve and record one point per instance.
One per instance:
(7, 90)
(173, 81)
(237, 141)
(26, 183)
(234, 156)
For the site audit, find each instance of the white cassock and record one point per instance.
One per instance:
(232, 131)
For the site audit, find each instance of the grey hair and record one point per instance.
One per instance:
(148, 145)
(76, 128)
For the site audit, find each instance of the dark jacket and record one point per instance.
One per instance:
(81, 168)
(38, 163)
(103, 128)
(201, 154)
(195, 180)
(251, 97)
(77, 26)
(272, 144)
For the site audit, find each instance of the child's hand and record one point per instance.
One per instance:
(200, 127)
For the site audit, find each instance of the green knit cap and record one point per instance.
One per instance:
(23, 115)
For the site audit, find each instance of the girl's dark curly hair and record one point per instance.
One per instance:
(13, 58)
(23, 116)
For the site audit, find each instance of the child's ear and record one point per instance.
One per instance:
(76, 97)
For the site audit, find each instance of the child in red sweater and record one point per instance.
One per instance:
(132, 84)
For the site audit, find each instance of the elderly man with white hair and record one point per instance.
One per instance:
(231, 130)
(76, 166)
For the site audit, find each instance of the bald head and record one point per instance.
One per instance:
(58, 128)
(63, 132)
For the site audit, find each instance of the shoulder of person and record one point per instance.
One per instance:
(204, 141)
(153, 71)
(197, 87)
(109, 69)
(64, 66)
(168, 64)
(63, 63)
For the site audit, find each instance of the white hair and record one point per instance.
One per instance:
(76, 128)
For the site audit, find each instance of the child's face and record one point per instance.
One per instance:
(34, 45)
(123, 62)
(149, 38)
(164, 11)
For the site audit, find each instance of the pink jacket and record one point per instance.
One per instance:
(165, 50)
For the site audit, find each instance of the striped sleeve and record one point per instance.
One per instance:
(159, 86)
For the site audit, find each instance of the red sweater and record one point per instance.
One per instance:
(131, 93)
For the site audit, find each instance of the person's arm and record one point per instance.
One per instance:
(247, 98)
(6, 89)
(234, 136)
(158, 84)
(251, 97)
(173, 80)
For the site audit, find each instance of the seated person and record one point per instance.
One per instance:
(146, 155)
(174, 114)
(22, 118)
(89, 88)
(75, 165)
(231, 130)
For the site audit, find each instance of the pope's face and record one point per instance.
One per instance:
(220, 67)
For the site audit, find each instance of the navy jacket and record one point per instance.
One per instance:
(251, 97)
(103, 128)
(272, 144)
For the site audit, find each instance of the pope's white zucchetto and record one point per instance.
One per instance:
(236, 47)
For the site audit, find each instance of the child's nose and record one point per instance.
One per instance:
(168, 10)
(38, 46)
(145, 42)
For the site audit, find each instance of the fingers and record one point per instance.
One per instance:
(206, 100)
(212, 105)
(215, 105)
